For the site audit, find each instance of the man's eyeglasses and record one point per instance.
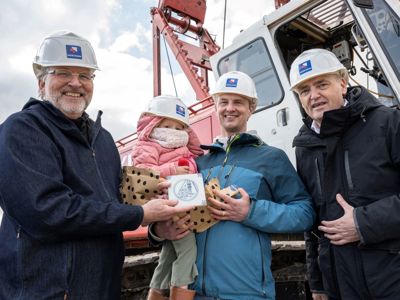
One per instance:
(66, 75)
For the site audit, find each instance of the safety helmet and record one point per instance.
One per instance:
(64, 48)
(168, 107)
(312, 63)
(236, 82)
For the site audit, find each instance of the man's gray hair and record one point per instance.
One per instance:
(343, 74)
(40, 76)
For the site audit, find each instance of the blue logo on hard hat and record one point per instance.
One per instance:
(305, 67)
(74, 51)
(231, 82)
(180, 110)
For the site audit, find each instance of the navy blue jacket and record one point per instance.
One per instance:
(62, 223)
(234, 258)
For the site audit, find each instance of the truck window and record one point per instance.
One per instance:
(386, 25)
(254, 60)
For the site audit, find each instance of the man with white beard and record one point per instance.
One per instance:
(61, 232)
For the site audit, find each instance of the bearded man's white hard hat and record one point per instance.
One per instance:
(64, 48)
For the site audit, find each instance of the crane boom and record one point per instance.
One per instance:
(175, 19)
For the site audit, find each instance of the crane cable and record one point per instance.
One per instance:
(223, 30)
(170, 67)
(369, 90)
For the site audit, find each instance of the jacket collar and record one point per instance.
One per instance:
(337, 121)
(243, 138)
(61, 121)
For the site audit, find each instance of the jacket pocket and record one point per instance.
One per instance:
(347, 170)
(18, 260)
(41, 268)
(318, 181)
(262, 257)
(70, 266)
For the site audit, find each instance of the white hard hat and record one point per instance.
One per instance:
(168, 107)
(312, 63)
(64, 48)
(235, 82)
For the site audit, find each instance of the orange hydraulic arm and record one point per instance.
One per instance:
(174, 19)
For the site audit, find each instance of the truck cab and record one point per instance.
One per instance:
(364, 36)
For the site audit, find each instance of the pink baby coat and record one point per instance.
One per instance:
(147, 153)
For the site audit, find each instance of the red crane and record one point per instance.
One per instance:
(279, 3)
(175, 19)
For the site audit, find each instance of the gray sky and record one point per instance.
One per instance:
(120, 32)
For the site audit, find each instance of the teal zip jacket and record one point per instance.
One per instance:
(234, 258)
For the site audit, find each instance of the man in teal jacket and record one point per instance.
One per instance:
(234, 256)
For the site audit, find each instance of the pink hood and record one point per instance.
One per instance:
(147, 153)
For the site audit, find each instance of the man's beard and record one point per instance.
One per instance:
(75, 107)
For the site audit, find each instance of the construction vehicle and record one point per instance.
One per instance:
(363, 34)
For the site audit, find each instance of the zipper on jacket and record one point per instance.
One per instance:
(262, 264)
(227, 151)
(220, 171)
(347, 169)
(228, 175)
(99, 173)
(208, 175)
(18, 232)
(226, 157)
(96, 128)
(318, 176)
(236, 137)
(362, 116)
(203, 284)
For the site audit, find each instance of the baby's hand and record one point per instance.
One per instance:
(163, 186)
(182, 170)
